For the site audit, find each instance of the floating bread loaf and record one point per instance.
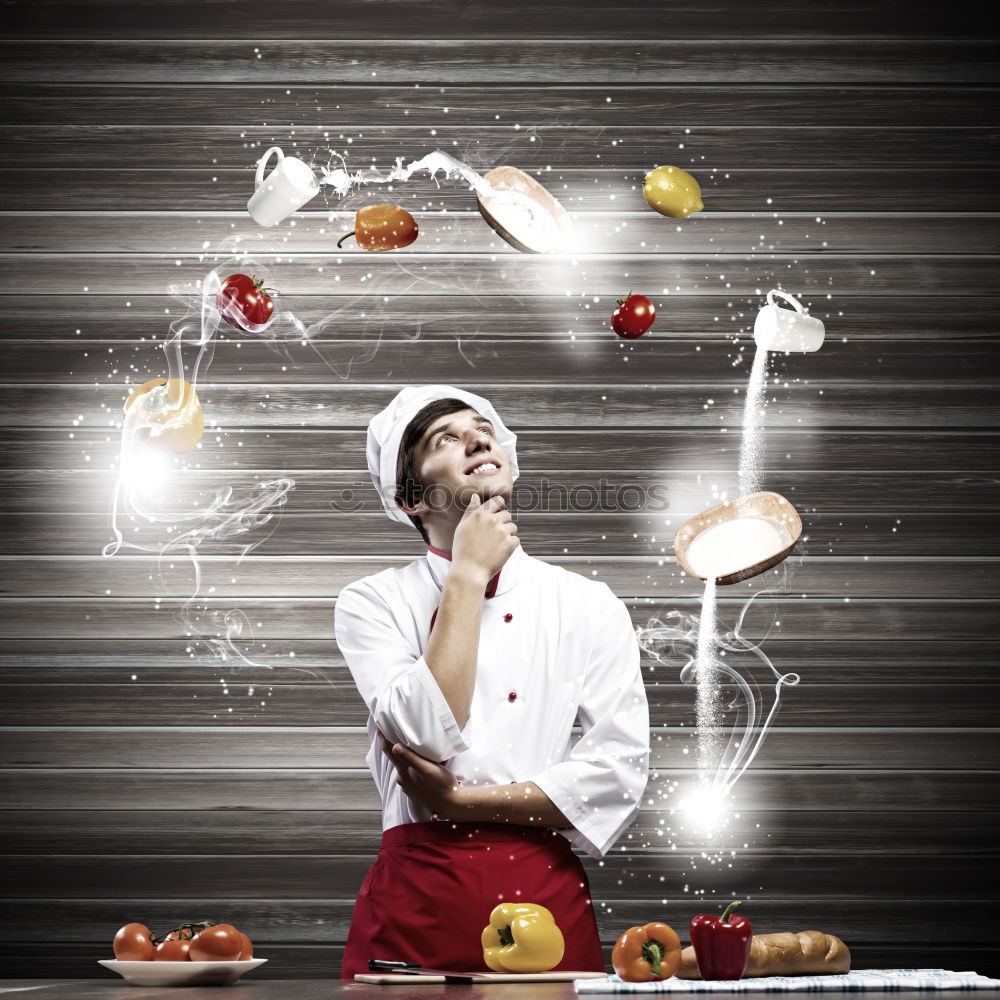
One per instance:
(807, 953)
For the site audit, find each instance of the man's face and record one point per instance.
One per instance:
(459, 455)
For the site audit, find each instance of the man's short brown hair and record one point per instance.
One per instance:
(409, 487)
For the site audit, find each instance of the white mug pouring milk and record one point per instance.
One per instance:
(778, 329)
(287, 188)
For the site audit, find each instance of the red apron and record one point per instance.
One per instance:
(432, 887)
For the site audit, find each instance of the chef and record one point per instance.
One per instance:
(474, 661)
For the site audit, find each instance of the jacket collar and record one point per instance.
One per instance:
(439, 563)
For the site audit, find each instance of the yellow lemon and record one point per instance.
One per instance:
(166, 414)
(672, 191)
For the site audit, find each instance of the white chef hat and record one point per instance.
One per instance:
(385, 433)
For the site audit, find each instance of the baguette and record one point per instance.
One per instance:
(807, 953)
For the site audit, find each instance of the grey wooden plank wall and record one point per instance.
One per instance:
(846, 150)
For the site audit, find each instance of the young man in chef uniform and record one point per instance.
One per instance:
(475, 661)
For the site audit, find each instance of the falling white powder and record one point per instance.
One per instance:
(721, 550)
(752, 444)
(733, 546)
(709, 702)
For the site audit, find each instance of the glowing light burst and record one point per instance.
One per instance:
(144, 470)
(705, 808)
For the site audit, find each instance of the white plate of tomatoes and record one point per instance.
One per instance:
(181, 973)
(202, 953)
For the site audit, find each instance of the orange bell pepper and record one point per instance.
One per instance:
(382, 227)
(647, 954)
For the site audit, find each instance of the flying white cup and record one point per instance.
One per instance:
(287, 188)
(778, 329)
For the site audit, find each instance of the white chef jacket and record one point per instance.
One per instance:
(552, 644)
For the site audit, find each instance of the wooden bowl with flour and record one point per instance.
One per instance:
(524, 213)
(739, 538)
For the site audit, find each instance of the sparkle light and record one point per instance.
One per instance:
(705, 807)
(145, 470)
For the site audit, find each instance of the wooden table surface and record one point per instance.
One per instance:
(323, 989)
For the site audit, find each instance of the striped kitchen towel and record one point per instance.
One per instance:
(863, 979)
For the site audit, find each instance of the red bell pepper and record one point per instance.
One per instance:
(721, 946)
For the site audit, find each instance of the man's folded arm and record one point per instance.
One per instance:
(393, 677)
(600, 786)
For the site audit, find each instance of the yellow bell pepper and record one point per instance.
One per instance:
(522, 937)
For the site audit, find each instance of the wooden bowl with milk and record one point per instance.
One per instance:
(739, 538)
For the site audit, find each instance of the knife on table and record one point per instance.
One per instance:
(411, 969)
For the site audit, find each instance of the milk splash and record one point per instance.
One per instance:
(518, 211)
(723, 756)
(716, 553)
(363, 314)
(233, 518)
(720, 551)
(341, 180)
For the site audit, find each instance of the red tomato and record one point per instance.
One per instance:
(171, 949)
(633, 317)
(247, 947)
(219, 943)
(243, 300)
(132, 944)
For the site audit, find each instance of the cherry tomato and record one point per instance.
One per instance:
(633, 317)
(173, 949)
(132, 944)
(219, 943)
(244, 303)
(246, 951)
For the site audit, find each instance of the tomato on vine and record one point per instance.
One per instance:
(134, 943)
(173, 948)
(194, 941)
(218, 943)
